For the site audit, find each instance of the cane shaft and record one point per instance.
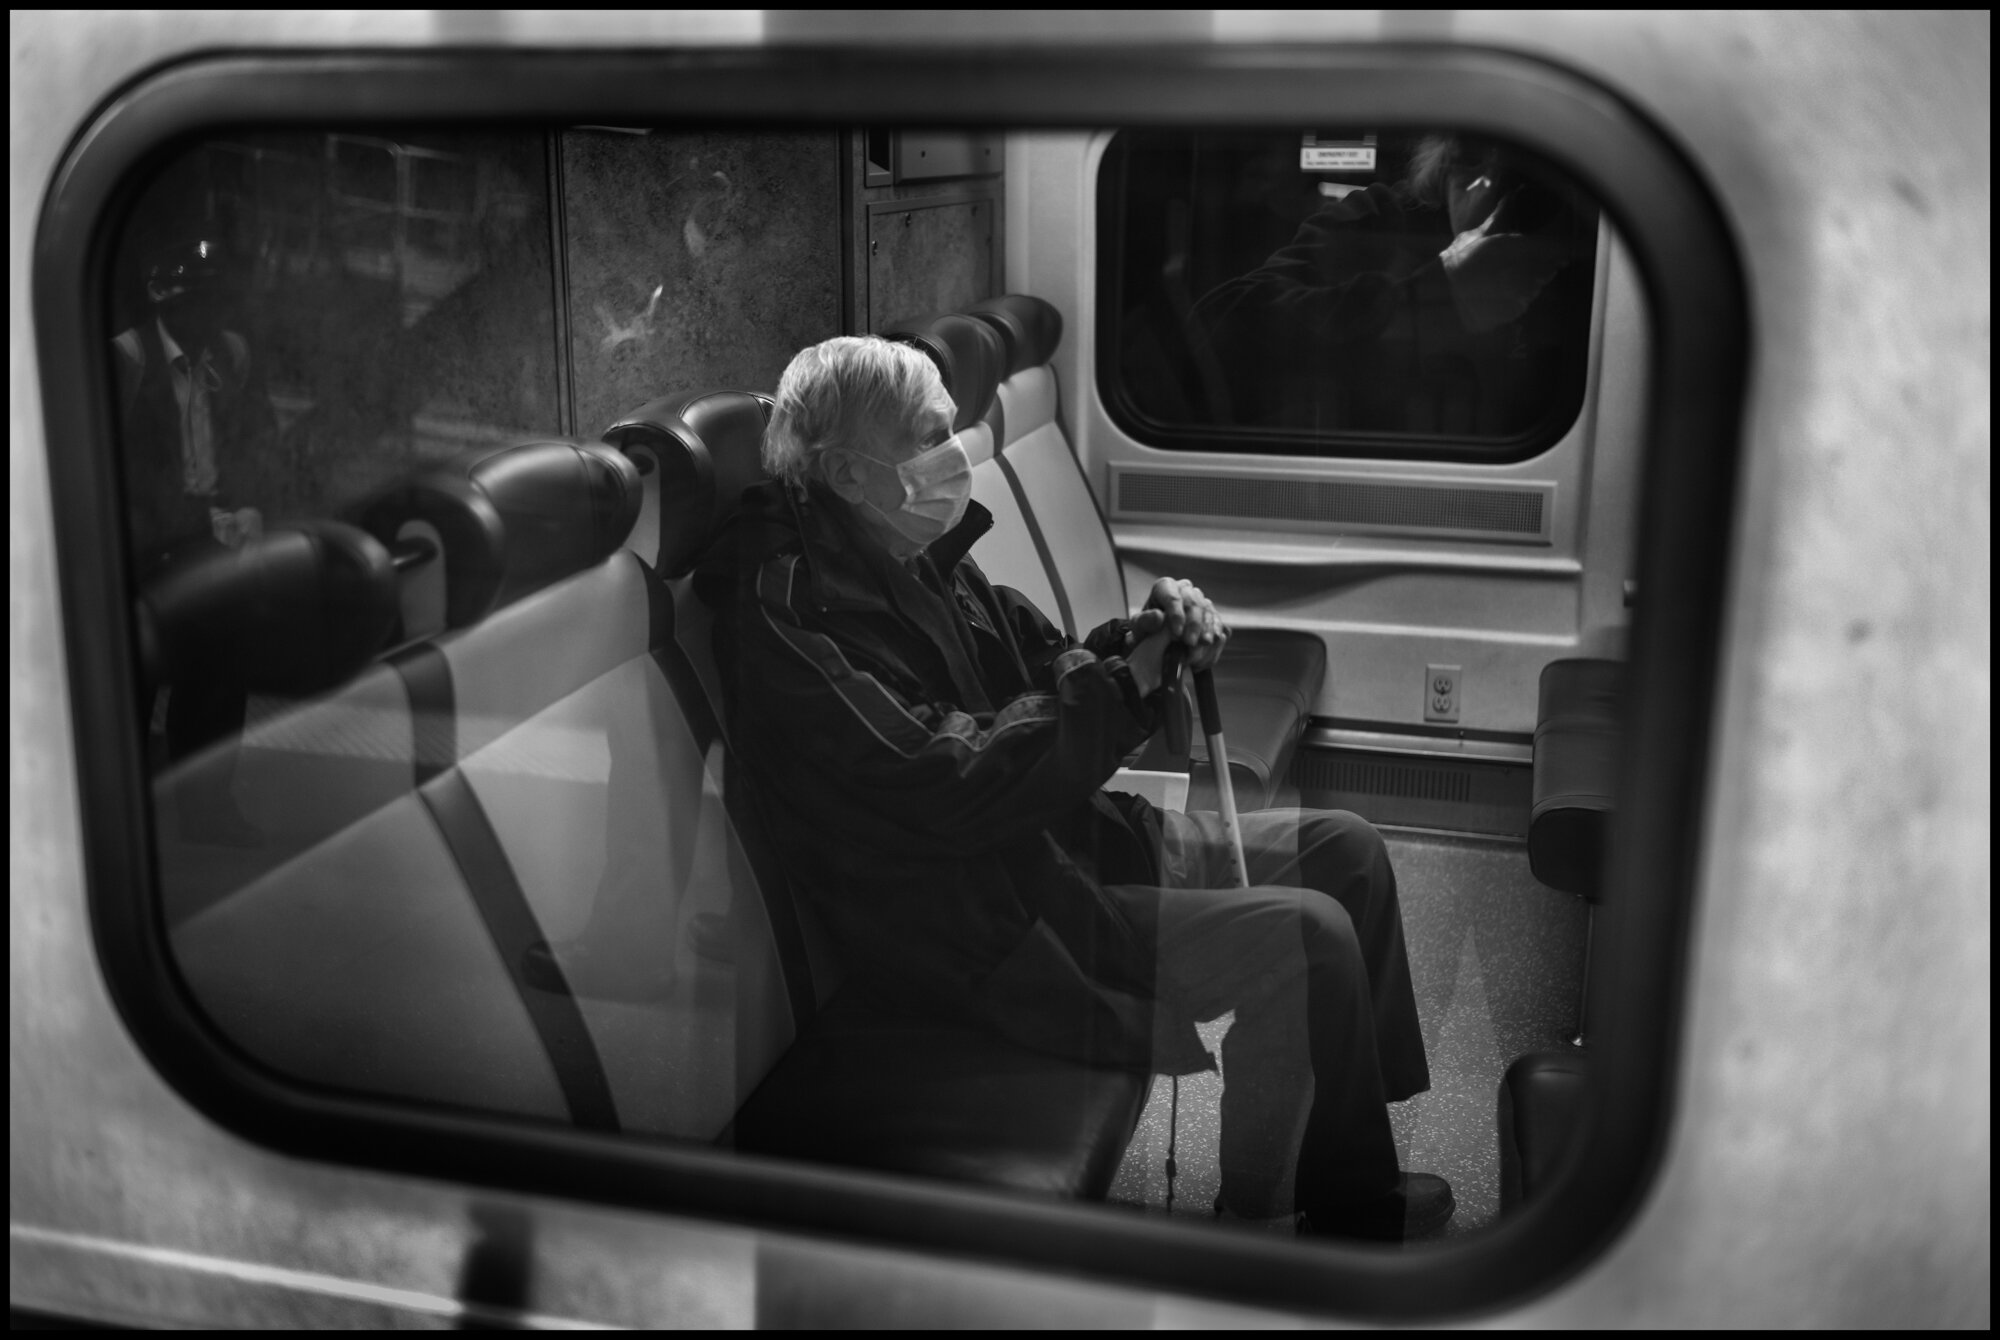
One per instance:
(1173, 722)
(1218, 759)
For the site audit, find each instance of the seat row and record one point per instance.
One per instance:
(543, 760)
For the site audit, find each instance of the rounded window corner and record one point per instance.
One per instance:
(1693, 423)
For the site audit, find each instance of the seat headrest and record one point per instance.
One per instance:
(1029, 328)
(513, 519)
(968, 354)
(302, 608)
(708, 447)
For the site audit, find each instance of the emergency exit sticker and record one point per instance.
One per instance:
(1318, 155)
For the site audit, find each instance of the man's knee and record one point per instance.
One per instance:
(1328, 932)
(1336, 847)
(1344, 832)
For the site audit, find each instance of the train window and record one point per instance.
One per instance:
(431, 830)
(1416, 293)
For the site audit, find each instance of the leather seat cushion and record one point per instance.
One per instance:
(1576, 765)
(970, 357)
(869, 1088)
(297, 612)
(1030, 328)
(514, 519)
(1542, 1102)
(1265, 685)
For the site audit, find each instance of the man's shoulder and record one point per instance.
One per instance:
(754, 555)
(778, 576)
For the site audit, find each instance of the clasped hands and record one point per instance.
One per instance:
(1175, 611)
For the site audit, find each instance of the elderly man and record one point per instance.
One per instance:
(933, 750)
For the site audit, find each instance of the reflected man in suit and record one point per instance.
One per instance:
(193, 410)
(195, 428)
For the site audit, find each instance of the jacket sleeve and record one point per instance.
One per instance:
(1343, 279)
(867, 762)
(1041, 643)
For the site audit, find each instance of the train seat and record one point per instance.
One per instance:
(1544, 1101)
(550, 784)
(342, 949)
(862, 1086)
(1545, 1096)
(1270, 679)
(602, 795)
(1576, 761)
(338, 748)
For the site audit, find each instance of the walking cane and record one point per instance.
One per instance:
(1218, 753)
(1225, 789)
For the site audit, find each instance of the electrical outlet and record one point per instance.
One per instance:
(1442, 684)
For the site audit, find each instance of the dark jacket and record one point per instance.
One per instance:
(1351, 327)
(929, 751)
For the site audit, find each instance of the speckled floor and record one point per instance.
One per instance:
(1496, 958)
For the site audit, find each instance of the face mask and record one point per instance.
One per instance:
(937, 484)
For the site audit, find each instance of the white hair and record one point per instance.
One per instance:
(839, 392)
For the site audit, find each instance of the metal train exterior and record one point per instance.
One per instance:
(1827, 1148)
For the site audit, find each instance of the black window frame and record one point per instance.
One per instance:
(1700, 352)
(1228, 439)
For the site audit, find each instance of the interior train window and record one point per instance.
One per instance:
(1345, 291)
(434, 823)
(461, 791)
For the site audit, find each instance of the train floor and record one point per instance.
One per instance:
(1497, 960)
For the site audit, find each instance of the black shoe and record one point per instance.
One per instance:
(1421, 1204)
(582, 970)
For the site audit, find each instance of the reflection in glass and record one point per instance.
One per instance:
(1304, 287)
(513, 855)
(385, 302)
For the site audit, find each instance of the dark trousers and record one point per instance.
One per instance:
(1311, 959)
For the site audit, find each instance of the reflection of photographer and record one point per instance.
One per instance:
(1496, 269)
(193, 422)
(1422, 306)
(193, 413)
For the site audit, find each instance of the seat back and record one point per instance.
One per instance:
(702, 450)
(689, 489)
(1088, 581)
(281, 631)
(510, 519)
(340, 945)
(969, 354)
(1577, 737)
(1012, 553)
(558, 792)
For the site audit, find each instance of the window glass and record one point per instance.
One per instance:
(472, 788)
(1346, 291)
(300, 316)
